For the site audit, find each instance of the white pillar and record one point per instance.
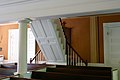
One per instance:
(22, 52)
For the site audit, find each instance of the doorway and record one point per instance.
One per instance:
(112, 45)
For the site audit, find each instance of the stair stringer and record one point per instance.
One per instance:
(60, 34)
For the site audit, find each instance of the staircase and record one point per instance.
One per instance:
(50, 38)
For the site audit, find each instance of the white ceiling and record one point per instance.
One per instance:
(4, 2)
(11, 10)
(10, 2)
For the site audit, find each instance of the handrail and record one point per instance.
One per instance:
(35, 56)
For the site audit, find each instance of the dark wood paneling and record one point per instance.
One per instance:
(80, 35)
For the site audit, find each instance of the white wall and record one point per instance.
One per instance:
(11, 10)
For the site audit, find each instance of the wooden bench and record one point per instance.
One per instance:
(10, 66)
(2, 77)
(7, 72)
(29, 66)
(65, 76)
(18, 78)
(80, 71)
(85, 67)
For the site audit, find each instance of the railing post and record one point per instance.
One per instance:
(67, 53)
(35, 56)
(30, 60)
(86, 63)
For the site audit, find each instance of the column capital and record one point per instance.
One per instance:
(23, 21)
(27, 20)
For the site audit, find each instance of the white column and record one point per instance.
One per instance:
(22, 52)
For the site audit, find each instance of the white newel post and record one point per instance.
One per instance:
(22, 52)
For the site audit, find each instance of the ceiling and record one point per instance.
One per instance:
(11, 2)
(12, 10)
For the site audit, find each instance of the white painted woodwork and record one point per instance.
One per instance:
(49, 41)
(94, 39)
(13, 47)
(12, 10)
(22, 50)
(112, 45)
(115, 74)
(30, 45)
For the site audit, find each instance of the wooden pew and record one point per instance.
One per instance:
(80, 71)
(7, 72)
(2, 76)
(10, 66)
(18, 78)
(65, 76)
(85, 67)
(29, 66)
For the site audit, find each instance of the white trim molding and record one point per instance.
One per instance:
(94, 39)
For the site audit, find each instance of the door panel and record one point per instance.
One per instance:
(112, 45)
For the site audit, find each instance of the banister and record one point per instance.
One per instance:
(35, 56)
(75, 52)
(71, 51)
